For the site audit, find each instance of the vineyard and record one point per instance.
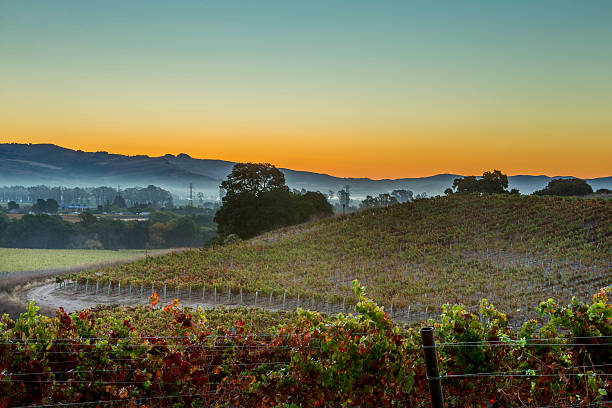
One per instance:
(513, 250)
(158, 356)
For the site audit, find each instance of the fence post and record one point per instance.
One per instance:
(431, 366)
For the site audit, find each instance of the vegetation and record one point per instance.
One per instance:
(566, 187)
(383, 200)
(258, 200)
(514, 250)
(150, 321)
(18, 259)
(162, 230)
(96, 197)
(491, 182)
(311, 361)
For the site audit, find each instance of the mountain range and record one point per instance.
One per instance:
(49, 164)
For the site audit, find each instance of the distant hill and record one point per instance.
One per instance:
(33, 164)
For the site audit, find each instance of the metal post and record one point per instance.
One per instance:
(431, 366)
(256, 294)
(215, 294)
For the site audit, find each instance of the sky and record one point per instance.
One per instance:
(379, 89)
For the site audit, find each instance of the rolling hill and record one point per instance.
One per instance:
(35, 164)
(513, 250)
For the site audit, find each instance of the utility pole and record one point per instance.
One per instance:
(191, 194)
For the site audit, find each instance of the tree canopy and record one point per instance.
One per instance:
(382, 200)
(566, 187)
(253, 178)
(257, 200)
(491, 182)
(45, 206)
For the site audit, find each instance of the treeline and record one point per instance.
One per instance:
(495, 182)
(88, 196)
(162, 230)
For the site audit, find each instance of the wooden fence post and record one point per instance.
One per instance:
(431, 367)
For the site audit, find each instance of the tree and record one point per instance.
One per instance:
(12, 205)
(39, 207)
(256, 200)
(491, 182)
(382, 200)
(48, 206)
(312, 203)
(253, 178)
(38, 231)
(181, 232)
(402, 196)
(51, 206)
(4, 222)
(494, 182)
(87, 219)
(344, 196)
(448, 191)
(566, 187)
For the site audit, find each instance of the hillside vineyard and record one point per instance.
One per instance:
(513, 250)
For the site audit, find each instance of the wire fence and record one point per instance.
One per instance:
(184, 344)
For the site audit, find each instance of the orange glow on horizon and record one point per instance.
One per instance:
(353, 156)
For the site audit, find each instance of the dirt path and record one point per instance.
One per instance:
(48, 297)
(16, 288)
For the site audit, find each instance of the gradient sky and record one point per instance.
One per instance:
(352, 88)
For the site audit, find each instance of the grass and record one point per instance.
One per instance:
(513, 250)
(20, 259)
